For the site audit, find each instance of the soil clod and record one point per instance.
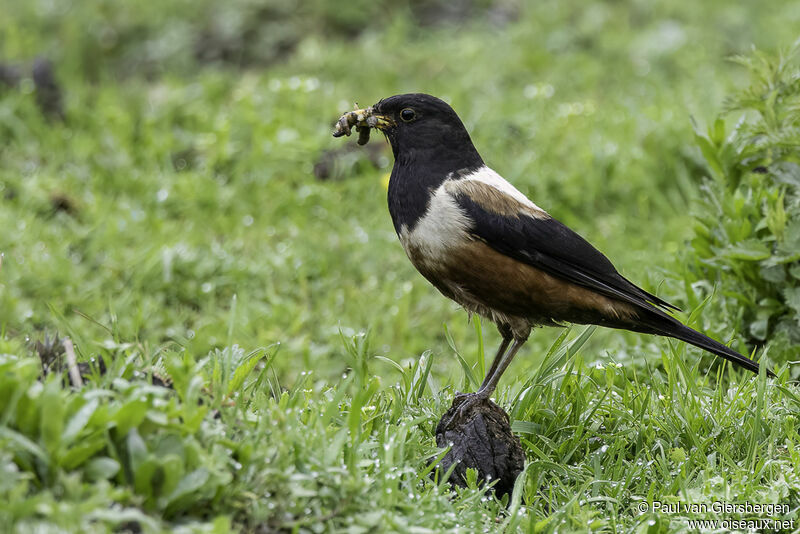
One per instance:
(481, 439)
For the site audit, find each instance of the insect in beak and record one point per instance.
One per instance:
(362, 120)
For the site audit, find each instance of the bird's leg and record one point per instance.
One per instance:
(490, 383)
(493, 377)
(498, 358)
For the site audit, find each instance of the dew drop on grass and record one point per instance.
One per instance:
(248, 220)
(206, 287)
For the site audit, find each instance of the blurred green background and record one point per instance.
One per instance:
(186, 189)
(172, 200)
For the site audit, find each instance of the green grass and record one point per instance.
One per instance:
(202, 247)
(352, 457)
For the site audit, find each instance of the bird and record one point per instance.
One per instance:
(482, 243)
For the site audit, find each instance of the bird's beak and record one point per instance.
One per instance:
(362, 118)
(382, 122)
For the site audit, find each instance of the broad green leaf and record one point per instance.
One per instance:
(710, 153)
(189, 484)
(102, 468)
(52, 421)
(78, 421)
(758, 328)
(83, 450)
(137, 449)
(22, 444)
(750, 250)
(147, 477)
(792, 295)
(173, 469)
(130, 415)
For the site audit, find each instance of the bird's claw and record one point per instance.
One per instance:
(471, 400)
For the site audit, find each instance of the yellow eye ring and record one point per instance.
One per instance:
(408, 115)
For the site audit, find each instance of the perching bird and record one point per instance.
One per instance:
(485, 245)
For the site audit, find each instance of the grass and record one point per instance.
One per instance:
(352, 457)
(172, 224)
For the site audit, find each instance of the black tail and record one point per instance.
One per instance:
(667, 326)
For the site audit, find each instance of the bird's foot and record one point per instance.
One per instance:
(471, 400)
(463, 403)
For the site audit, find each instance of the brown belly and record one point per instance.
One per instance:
(474, 273)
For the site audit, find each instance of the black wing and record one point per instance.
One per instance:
(549, 245)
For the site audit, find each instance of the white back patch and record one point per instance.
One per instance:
(489, 177)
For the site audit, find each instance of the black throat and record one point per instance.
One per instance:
(418, 172)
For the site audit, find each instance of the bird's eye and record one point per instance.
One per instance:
(408, 115)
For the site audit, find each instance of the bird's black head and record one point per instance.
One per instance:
(421, 127)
